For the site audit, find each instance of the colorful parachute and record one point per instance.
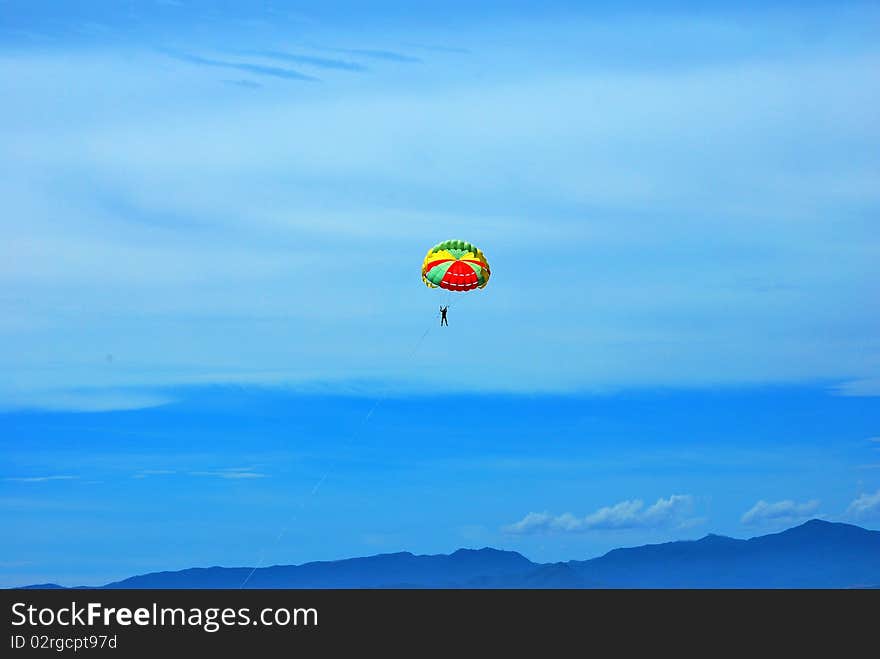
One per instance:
(455, 265)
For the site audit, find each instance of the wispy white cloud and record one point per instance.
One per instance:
(39, 479)
(781, 512)
(387, 55)
(866, 506)
(863, 387)
(258, 69)
(82, 400)
(233, 473)
(153, 472)
(310, 60)
(630, 514)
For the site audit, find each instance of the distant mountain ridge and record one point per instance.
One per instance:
(816, 554)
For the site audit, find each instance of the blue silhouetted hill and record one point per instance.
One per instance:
(399, 570)
(43, 586)
(816, 554)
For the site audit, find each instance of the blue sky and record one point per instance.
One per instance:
(212, 220)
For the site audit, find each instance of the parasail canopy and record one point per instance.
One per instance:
(455, 265)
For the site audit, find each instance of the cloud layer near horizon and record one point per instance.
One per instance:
(865, 507)
(630, 514)
(779, 512)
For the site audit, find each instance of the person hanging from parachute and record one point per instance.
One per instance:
(455, 265)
